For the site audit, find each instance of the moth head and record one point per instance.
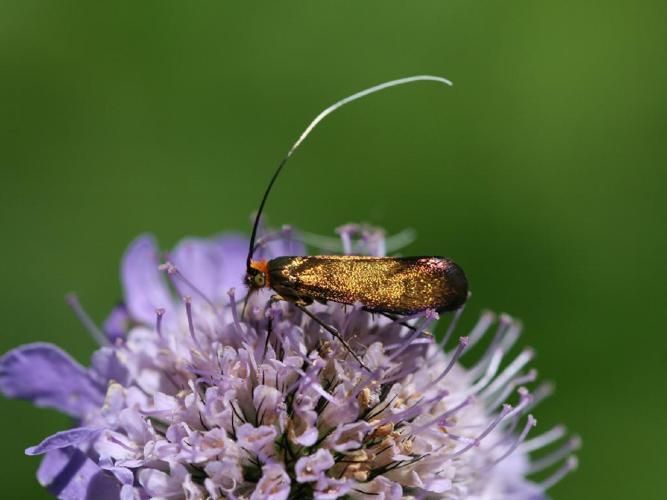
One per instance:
(257, 274)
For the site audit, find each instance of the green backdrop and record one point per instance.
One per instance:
(542, 172)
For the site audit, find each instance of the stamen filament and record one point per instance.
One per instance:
(94, 330)
(570, 464)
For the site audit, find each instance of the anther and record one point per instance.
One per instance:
(158, 321)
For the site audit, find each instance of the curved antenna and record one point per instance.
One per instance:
(314, 123)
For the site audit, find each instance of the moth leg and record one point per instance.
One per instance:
(331, 330)
(276, 298)
(403, 323)
(304, 301)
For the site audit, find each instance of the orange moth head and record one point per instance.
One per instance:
(257, 275)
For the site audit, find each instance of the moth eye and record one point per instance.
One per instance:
(259, 280)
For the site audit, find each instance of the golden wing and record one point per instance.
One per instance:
(397, 285)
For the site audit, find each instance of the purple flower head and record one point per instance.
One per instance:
(188, 398)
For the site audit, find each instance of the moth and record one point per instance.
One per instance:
(392, 285)
(387, 285)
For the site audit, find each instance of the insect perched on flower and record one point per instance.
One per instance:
(193, 395)
(386, 285)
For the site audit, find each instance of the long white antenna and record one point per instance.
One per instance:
(359, 95)
(315, 122)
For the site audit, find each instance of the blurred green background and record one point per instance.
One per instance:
(542, 172)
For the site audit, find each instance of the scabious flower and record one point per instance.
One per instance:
(188, 398)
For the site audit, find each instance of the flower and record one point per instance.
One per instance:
(187, 398)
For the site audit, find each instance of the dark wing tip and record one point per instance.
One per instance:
(458, 285)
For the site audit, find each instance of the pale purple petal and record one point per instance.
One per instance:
(105, 367)
(257, 440)
(52, 463)
(349, 436)
(304, 429)
(274, 484)
(68, 474)
(49, 377)
(122, 474)
(225, 475)
(198, 261)
(159, 484)
(381, 488)
(143, 283)
(234, 249)
(117, 323)
(128, 492)
(136, 427)
(328, 488)
(268, 403)
(210, 267)
(438, 485)
(311, 467)
(285, 245)
(117, 446)
(63, 439)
